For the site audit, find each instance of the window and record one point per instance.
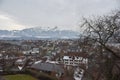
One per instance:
(71, 63)
(66, 62)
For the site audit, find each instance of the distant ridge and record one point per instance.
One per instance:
(38, 33)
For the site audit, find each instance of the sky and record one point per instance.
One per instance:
(65, 14)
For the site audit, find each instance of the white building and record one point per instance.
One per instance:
(78, 74)
(74, 60)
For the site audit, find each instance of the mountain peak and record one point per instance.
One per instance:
(39, 32)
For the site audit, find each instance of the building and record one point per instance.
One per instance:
(49, 68)
(75, 60)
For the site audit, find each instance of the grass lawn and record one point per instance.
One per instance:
(19, 77)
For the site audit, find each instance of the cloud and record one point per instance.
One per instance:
(7, 23)
(62, 13)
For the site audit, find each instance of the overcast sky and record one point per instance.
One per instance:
(66, 14)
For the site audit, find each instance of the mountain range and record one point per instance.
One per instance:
(38, 33)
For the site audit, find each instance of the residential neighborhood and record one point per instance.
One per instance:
(51, 57)
(59, 39)
(57, 58)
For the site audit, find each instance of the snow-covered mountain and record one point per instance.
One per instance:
(38, 33)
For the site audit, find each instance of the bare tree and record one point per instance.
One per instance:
(103, 32)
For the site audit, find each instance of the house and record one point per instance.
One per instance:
(74, 48)
(19, 61)
(49, 68)
(32, 54)
(74, 60)
(16, 69)
(34, 51)
(78, 74)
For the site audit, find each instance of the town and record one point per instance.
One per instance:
(59, 39)
(53, 57)
(63, 59)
